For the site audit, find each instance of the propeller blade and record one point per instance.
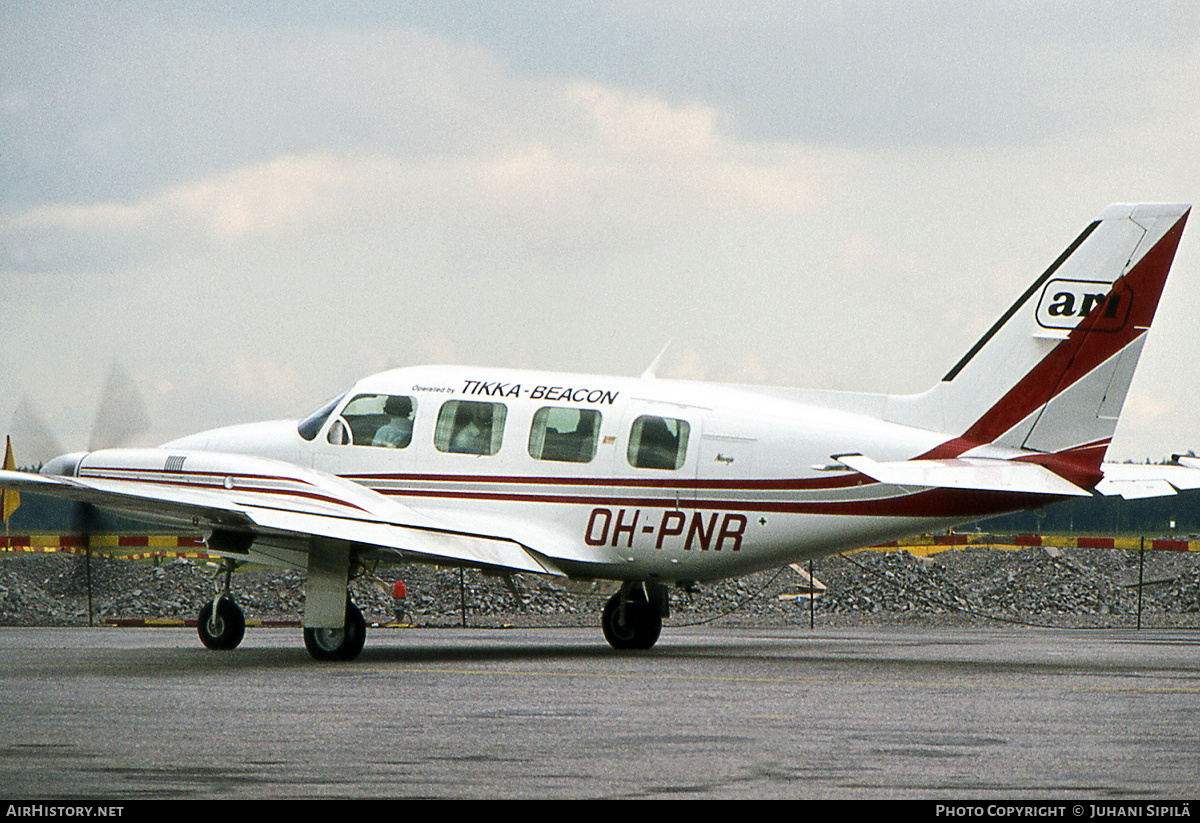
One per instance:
(122, 413)
(120, 417)
(33, 443)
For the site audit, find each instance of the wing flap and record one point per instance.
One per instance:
(415, 541)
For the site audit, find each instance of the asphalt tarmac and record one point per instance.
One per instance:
(105, 714)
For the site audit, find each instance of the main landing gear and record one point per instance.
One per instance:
(633, 616)
(338, 644)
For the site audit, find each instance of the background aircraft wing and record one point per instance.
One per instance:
(246, 501)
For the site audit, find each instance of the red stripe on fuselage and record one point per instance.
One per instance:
(930, 503)
(840, 481)
(161, 479)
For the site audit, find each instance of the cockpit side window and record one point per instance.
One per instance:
(311, 425)
(658, 443)
(470, 427)
(568, 435)
(384, 420)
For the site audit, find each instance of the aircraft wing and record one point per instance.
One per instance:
(975, 473)
(248, 500)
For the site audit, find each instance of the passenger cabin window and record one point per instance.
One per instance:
(469, 427)
(562, 434)
(383, 420)
(658, 443)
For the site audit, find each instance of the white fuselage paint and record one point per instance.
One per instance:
(752, 491)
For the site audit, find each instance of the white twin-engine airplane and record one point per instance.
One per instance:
(659, 483)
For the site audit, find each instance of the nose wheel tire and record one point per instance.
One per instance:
(223, 628)
(338, 644)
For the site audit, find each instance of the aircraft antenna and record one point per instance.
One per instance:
(649, 373)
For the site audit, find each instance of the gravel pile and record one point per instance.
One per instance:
(1183, 594)
(52, 589)
(895, 582)
(1032, 585)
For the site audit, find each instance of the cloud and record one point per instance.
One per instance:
(632, 172)
(630, 123)
(861, 74)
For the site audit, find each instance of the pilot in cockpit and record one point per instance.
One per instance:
(396, 433)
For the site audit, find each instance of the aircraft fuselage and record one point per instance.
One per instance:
(747, 480)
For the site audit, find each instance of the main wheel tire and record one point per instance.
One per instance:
(642, 626)
(338, 644)
(225, 629)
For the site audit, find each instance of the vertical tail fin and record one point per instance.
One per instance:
(1052, 374)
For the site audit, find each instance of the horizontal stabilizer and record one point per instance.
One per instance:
(1133, 481)
(978, 473)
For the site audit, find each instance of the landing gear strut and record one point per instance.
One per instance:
(221, 623)
(633, 616)
(338, 644)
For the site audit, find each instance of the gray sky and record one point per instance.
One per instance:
(249, 209)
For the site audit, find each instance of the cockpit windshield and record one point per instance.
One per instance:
(312, 424)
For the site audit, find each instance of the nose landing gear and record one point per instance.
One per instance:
(221, 623)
